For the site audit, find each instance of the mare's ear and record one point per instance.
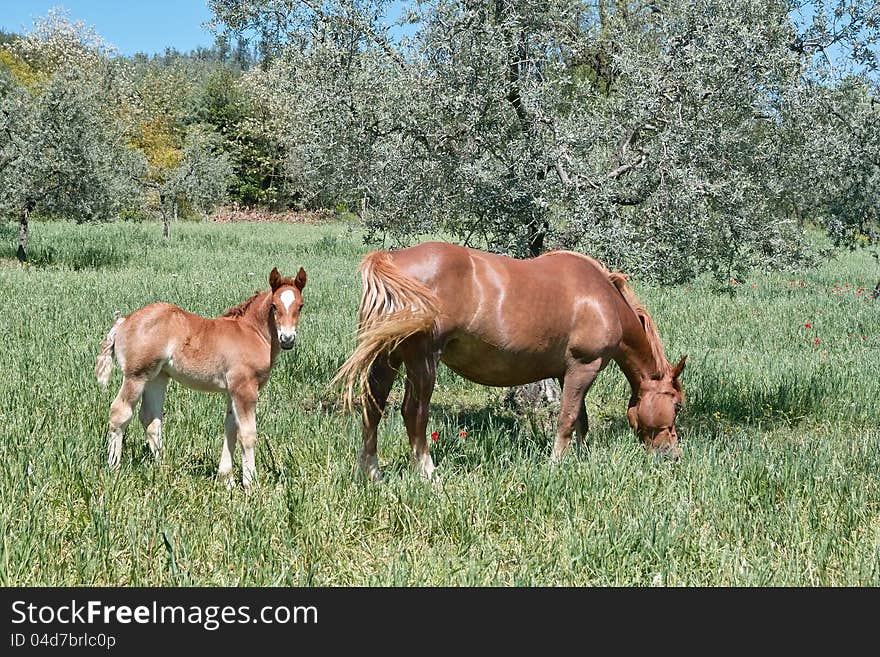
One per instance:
(300, 281)
(274, 279)
(678, 369)
(632, 414)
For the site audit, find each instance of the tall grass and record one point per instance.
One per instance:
(779, 483)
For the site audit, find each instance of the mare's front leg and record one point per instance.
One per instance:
(227, 451)
(244, 406)
(582, 424)
(421, 374)
(572, 412)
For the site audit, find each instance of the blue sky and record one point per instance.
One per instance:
(130, 25)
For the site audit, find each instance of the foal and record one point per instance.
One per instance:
(233, 354)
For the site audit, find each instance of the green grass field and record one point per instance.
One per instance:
(779, 483)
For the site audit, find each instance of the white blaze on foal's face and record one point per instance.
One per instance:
(287, 298)
(287, 307)
(287, 301)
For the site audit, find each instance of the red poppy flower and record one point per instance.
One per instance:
(435, 436)
(462, 433)
(816, 340)
(808, 325)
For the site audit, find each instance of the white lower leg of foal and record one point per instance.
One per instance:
(114, 447)
(224, 470)
(120, 416)
(154, 438)
(248, 464)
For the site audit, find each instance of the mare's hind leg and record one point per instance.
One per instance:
(224, 472)
(421, 373)
(121, 411)
(382, 375)
(572, 413)
(150, 414)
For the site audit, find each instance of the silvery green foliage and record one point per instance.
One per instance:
(668, 139)
(66, 149)
(201, 179)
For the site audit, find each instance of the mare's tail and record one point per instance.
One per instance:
(104, 364)
(393, 308)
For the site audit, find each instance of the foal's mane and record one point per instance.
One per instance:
(619, 281)
(242, 308)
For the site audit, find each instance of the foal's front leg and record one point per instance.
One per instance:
(244, 406)
(224, 472)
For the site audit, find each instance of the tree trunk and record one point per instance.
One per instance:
(166, 220)
(537, 233)
(21, 254)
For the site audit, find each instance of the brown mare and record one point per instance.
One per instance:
(504, 322)
(233, 354)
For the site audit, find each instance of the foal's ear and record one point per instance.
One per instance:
(274, 279)
(678, 369)
(300, 281)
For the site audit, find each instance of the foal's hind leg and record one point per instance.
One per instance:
(421, 373)
(572, 413)
(224, 472)
(150, 414)
(121, 411)
(381, 378)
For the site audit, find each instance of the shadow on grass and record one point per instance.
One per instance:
(78, 257)
(786, 402)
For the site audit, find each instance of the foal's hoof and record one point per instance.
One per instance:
(226, 479)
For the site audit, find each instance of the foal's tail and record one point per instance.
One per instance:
(104, 364)
(393, 308)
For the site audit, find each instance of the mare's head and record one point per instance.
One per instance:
(287, 302)
(652, 412)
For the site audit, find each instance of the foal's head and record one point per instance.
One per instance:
(652, 413)
(287, 302)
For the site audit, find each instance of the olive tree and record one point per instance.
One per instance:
(669, 138)
(65, 152)
(199, 181)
